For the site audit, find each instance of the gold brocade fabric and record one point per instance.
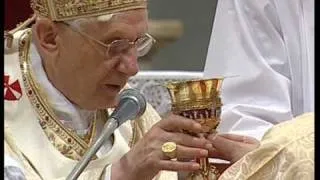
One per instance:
(286, 153)
(58, 10)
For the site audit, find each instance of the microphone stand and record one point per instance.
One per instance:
(108, 129)
(132, 105)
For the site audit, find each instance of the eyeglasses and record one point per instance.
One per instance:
(122, 46)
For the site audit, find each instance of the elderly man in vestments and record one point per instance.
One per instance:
(62, 79)
(63, 76)
(268, 45)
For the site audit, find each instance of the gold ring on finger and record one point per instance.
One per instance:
(169, 149)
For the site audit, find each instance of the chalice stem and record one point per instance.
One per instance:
(204, 167)
(204, 163)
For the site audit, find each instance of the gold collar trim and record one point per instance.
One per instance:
(65, 140)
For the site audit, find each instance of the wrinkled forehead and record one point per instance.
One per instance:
(131, 17)
(129, 23)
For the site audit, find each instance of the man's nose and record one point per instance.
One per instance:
(129, 63)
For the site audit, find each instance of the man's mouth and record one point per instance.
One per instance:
(114, 88)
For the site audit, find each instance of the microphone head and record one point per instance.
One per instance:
(132, 105)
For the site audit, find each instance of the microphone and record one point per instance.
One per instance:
(132, 105)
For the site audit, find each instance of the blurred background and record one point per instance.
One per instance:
(188, 51)
(181, 27)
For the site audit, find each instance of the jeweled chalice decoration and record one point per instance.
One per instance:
(199, 100)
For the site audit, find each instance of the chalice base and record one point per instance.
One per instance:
(212, 174)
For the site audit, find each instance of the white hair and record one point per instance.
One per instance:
(78, 23)
(81, 21)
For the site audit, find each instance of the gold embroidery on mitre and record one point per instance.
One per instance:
(61, 10)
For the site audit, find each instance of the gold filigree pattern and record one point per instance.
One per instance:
(61, 10)
(195, 94)
(199, 100)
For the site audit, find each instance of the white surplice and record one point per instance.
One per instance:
(269, 46)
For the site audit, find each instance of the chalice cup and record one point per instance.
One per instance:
(199, 100)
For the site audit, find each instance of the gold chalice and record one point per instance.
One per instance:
(199, 100)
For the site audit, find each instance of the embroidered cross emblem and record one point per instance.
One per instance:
(12, 90)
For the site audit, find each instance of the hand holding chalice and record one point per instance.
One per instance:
(199, 100)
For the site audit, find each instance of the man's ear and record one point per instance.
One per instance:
(46, 33)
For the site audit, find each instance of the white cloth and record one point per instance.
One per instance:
(269, 44)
